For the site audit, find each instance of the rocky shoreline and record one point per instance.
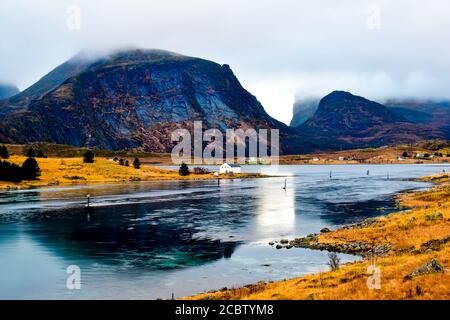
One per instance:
(312, 241)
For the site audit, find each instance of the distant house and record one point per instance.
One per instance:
(230, 168)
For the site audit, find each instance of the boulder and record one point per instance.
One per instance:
(432, 266)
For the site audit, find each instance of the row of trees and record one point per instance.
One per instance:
(126, 163)
(30, 153)
(12, 172)
(184, 170)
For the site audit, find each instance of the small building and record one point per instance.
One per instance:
(230, 168)
(341, 158)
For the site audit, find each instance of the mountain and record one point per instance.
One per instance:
(303, 110)
(7, 90)
(131, 99)
(433, 113)
(343, 121)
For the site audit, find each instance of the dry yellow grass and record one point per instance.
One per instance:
(416, 235)
(66, 171)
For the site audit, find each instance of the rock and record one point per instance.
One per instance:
(289, 247)
(325, 230)
(434, 216)
(432, 266)
(279, 246)
(271, 243)
(284, 241)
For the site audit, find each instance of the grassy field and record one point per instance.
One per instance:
(416, 236)
(67, 171)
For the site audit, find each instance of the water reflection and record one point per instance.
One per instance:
(275, 208)
(185, 236)
(137, 235)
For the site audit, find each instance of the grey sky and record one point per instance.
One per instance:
(278, 49)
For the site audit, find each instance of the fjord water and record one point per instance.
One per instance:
(147, 240)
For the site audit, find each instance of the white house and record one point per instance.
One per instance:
(230, 168)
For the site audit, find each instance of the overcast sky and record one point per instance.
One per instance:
(279, 49)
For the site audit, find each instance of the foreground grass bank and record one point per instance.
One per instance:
(413, 264)
(68, 171)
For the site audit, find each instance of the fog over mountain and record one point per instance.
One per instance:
(279, 49)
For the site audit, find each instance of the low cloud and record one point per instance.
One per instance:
(279, 49)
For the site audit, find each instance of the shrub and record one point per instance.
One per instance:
(88, 157)
(121, 162)
(30, 169)
(405, 154)
(40, 154)
(184, 170)
(30, 153)
(4, 152)
(136, 163)
(199, 170)
(127, 164)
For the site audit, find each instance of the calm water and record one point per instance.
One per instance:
(151, 239)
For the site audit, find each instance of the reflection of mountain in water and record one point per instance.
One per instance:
(133, 235)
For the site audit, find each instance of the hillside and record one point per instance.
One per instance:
(131, 99)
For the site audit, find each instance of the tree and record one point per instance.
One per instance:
(184, 170)
(40, 154)
(88, 157)
(334, 260)
(31, 153)
(127, 164)
(136, 163)
(10, 172)
(121, 162)
(30, 169)
(4, 152)
(405, 154)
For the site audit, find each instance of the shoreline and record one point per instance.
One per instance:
(411, 247)
(64, 172)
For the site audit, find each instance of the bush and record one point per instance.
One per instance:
(127, 164)
(405, 154)
(136, 163)
(40, 154)
(30, 169)
(30, 153)
(10, 172)
(4, 152)
(184, 170)
(199, 170)
(88, 157)
(334, 261)
(121, 162)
